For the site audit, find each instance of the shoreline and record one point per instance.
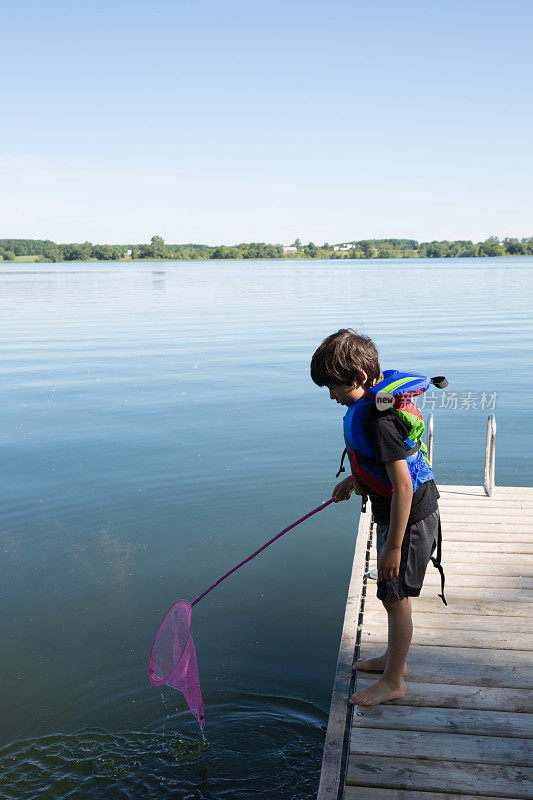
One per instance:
(380, 259)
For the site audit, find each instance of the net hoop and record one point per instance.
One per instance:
(174, 671)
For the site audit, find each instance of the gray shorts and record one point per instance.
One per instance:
(418, 544)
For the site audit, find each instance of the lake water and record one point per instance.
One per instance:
(159, 424)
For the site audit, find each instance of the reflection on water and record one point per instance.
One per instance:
(106, 556)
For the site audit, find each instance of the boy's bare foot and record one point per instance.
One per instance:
(377, 664)
(379, 692)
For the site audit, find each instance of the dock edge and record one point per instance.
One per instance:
(332, 776)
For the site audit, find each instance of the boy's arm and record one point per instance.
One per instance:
(402, 497)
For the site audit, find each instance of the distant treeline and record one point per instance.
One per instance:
(46, 250)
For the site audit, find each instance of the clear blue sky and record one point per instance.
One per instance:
(243, 120)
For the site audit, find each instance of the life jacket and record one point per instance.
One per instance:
(369, 476)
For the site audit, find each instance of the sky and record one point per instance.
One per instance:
(238, 121)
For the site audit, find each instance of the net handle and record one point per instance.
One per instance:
(270, 541)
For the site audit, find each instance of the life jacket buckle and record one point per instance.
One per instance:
(342, 468)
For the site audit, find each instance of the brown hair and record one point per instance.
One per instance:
(343, 357)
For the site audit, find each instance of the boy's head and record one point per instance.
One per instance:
(347, 363)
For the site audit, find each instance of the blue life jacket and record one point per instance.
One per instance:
(369, 476)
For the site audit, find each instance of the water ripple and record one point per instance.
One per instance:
(264, 745)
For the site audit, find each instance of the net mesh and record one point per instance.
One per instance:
(173, 657)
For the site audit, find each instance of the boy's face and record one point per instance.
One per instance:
(345, 394)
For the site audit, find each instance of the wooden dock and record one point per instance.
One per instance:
(464, 728)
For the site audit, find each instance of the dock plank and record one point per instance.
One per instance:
(431, 775)
(494, 526)
(441, 619)
(466, 492)
(377, 631)
(458, 605)
(468, 546)
(369, 793)
(481, 566)
(429, 718)
(497, 551)
(485, 581)
(459, 560)
(447, 667)
(510, 509)
(445, 656)
(459, 579)
(445, 746)
(443, 695)
(475, 593)
(485, 536)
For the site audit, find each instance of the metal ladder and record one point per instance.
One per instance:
(490, 451)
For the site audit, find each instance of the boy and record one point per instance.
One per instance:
(407, 522)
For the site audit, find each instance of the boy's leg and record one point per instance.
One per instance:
(391, 685)
(378, 663)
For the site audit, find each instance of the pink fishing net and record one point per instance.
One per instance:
(173, 657)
